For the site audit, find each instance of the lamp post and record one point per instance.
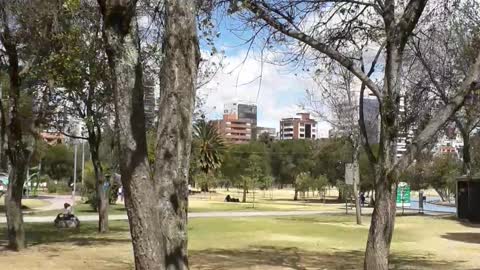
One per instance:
(83, 162)
(74, 175)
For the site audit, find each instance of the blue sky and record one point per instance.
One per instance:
(281, 91)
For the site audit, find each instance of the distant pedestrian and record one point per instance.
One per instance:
(120, 193)
(362, 199)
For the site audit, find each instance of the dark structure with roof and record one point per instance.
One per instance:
(468, 198)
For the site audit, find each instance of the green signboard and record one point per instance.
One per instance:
(403, 195)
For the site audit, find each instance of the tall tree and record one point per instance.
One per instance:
(289, 159)
(156, 199)
(330, 29)
(207, 146)
(26, 31)
(444, 51)
(80, 69)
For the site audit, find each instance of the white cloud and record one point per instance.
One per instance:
(280, 93)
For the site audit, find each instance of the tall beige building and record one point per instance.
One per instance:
(298, 128)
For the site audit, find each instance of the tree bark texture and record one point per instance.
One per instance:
(13, 203)
(122, 47)
(467, 160)
(358, 210)
(94, 140)
(17, 150)
(381, 227)
(101, 189)
(157, 200)
(383, 217)
(177, 100)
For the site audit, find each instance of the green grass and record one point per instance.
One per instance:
(321, 242)
(27, 204)
(261, 205)
(196, 206)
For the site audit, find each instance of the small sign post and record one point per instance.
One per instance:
(403, 195)
(352, 177)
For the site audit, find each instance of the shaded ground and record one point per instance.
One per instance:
(268, 257)
(472, 238)
(313, 242)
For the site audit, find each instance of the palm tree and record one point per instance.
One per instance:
(207, 147)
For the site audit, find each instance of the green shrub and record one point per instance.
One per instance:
(93, 201)
(113, 192)
(51, 187)
(59, 187)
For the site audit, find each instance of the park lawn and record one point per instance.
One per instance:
(261, 205)
(316, 242)
(27, 204)
(196, 206)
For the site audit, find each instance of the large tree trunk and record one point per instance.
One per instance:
(177, 99)
(156, 207)
(358, 212)
(17, 151)
(122, 47)
(101, 188)
(381, 228)
(383, 217)
(467, 160)
(13, 202)
(3, 147)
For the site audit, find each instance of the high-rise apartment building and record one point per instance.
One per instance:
(298, 128)
(243, 111)
(234, 130)
(371, 116)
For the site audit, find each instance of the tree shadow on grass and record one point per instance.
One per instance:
(46, 233)
(465, 223)
(466, 237)
(2, 208)
(268, 257)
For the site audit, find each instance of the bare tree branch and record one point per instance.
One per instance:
(346, 62)
(469, 84)
(409, 20)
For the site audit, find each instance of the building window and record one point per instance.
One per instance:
(302, 130)
(302, 135)
(308, 131)
(302, 124)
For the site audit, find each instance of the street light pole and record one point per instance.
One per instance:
(83, 162)
(74, 175)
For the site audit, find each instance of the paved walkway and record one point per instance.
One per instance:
(55, 202)
(29, 219)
